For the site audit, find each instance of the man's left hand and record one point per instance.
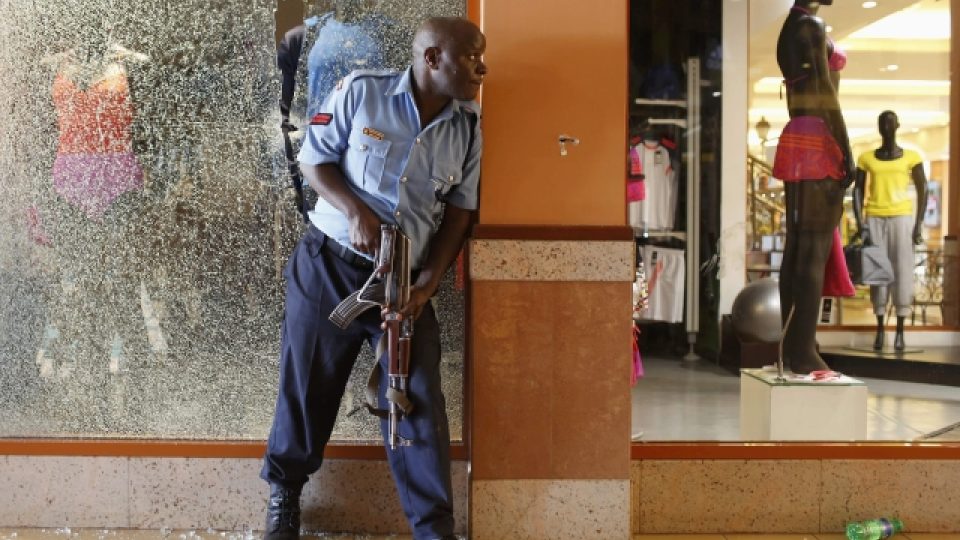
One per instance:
(917, 237)
(419, 296)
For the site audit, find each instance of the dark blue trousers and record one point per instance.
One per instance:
(316, 358)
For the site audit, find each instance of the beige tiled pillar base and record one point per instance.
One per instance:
(550, 378)
(555, 509)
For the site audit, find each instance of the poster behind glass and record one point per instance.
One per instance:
(148, 211)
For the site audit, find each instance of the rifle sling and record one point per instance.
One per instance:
(373, 387)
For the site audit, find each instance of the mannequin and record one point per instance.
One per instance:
(97, 185)
(814, 161)
(892, 221)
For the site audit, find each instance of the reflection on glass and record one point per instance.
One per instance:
(147, 216)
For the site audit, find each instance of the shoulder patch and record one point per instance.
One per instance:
(321, 119)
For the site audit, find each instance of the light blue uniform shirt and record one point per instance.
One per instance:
(404, 172)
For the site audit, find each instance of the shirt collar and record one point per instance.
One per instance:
(404, 84)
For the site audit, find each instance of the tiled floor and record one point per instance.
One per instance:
(672, 402)
(131, 534)
(122, 534)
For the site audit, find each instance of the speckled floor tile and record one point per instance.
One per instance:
(678, 537)
(770, 537)
(177, 493)
(923, 493)
(635, 486)
(63, 491)
(164, 534)
(934, 536)
(771, 496)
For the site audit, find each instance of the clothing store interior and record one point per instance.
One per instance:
(152, 202)
(886, 343)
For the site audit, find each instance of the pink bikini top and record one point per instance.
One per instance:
(836, 60)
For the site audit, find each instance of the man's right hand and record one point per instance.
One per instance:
(365, 230)
(864, 236)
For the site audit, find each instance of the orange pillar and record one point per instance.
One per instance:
(551, 266)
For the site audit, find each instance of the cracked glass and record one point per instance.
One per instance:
(148, 211)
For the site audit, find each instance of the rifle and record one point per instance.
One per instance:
(392, 292)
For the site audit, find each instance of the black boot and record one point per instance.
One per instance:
(898, 343)
(878, 341)
(283, 514)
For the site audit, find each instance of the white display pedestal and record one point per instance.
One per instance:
(801, 410)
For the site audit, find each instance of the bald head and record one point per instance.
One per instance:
(448, 57)
(443, 32)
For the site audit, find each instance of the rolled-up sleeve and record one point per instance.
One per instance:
(467, 195)
(329, 129)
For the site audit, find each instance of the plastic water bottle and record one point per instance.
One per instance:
(874, 529)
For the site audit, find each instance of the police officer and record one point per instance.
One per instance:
(387, 147)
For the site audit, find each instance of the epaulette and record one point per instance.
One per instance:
(361, 73)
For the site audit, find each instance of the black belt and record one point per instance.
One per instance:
(341, 251)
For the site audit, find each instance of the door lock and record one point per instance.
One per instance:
(564, 140)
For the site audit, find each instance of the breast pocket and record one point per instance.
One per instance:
(368, 158)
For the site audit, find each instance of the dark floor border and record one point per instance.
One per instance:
(800, 450)
(183, 448)
(375, 452)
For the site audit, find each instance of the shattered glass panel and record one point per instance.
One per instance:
(146, 215)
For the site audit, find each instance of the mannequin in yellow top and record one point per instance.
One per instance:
(892, 220)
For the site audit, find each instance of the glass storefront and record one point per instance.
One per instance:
(897, 58)
(898, 55)
(148, 214)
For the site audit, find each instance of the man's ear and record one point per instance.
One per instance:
(431, 56)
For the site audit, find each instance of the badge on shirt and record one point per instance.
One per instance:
(321, 119)
(370, 132)
(658, 158)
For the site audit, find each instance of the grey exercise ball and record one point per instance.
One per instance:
(756, 312)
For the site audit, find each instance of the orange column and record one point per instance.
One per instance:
(551, 265)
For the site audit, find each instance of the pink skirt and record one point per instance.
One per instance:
(807, 151)
(91, 182)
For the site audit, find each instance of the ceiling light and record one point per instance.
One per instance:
(892, 67)
(828, 28)
(869, 5)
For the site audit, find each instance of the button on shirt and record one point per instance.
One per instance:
(404, 172)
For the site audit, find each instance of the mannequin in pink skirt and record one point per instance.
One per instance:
(814, 161)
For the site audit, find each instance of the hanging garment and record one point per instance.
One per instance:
(657, 208)
(665, 283)
(636, 368)
(95, 163)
